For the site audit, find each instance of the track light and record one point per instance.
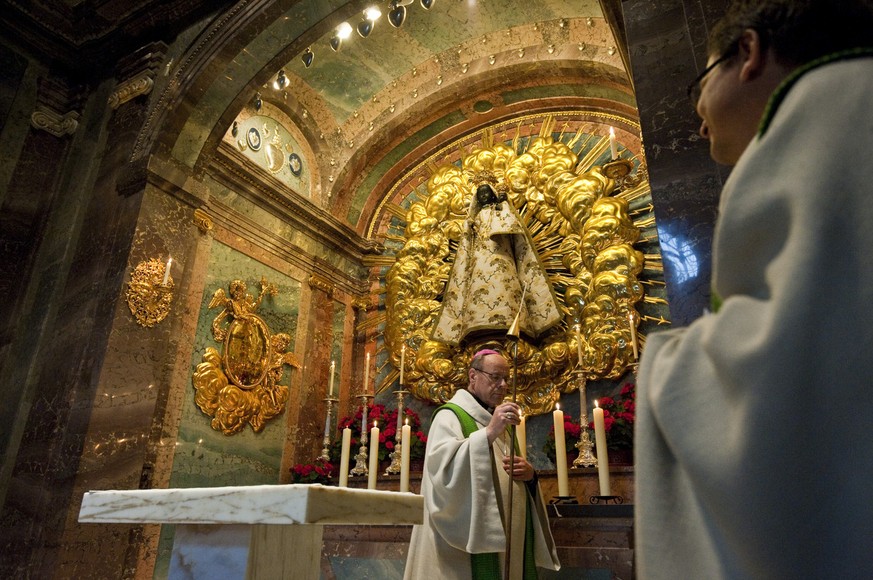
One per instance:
(397, 14)
(281, 81)
(365, 26)
(307, 57)
(343, 31)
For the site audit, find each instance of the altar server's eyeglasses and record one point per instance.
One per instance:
(496, 378)
(694, 88)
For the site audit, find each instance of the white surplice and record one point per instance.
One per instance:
(464, 488)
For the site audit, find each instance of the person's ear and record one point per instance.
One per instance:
(752, 55)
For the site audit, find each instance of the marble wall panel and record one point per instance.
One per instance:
(667, 50)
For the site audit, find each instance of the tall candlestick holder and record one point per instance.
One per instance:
(361, 459)
(586, 458)
(395, 455)
(325, 451)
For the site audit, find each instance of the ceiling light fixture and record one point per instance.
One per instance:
(308, 57)
(426, 4)
(365, 26)
(397, 14)
(343, 31)
(281, 80)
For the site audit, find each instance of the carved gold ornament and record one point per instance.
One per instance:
(150, 292)
(577, 215)
(240, 385)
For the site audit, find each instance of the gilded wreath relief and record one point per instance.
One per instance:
(543, 220)
(240, 385)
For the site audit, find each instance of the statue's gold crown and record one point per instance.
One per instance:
(477, 178)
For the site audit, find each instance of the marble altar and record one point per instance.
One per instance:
(254, 532)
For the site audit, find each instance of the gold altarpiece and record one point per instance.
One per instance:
(585, 203)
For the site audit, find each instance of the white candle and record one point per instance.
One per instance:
(366, 390)
(374, 456)
(402, 363)
(404, 457)
(579, 345)
(167, 271)
(613, 147)
(521, 434)
(561, 453)
(344, 458)
(332, 372)
(633, 333)
(602, 453)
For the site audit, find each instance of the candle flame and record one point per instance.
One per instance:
(406, 422)
(375, 423)
(557, 406)
(612, 132)
(595, 403)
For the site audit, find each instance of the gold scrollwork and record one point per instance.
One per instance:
(240, 386)
(323, 284)
(203, 221)
(149, 292)
(577, 215)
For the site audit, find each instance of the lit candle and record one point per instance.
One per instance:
(374, 456)
(167, 271)
(633, 333)
(579, 344)
(613, 147)
(344, 458)
(521, 434)
(366, 390)
(602, 453)
(402, 363)
(404, 457)
(561, 453)
(332, 373)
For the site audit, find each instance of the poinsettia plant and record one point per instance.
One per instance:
(317, 472)
(387, 419)
(619, 414)
(572, 433)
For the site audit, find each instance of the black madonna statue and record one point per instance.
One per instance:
(495, 262)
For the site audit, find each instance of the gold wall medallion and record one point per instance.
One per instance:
(240, 386)
(150, 292)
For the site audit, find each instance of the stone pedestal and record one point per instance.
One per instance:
(256, 532)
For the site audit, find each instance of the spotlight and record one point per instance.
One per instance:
(307, 57)
(426, 4)
(281, 80)
(258, 102)
(365, 26)
(397, 14)
(342, 32)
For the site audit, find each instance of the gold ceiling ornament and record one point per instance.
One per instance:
(240, 386)
(579, 221)
(150, 292)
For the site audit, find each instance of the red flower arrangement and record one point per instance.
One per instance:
(387, 419)
(619, 415)
(316, 472)
(572, 433)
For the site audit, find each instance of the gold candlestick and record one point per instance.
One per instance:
(395, 455)
(586, 458)
(325, 451)
(361, 458)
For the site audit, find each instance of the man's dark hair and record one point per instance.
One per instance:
(798, 31)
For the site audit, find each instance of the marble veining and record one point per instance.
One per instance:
(260, 504)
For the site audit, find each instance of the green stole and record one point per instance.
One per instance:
(487, 566)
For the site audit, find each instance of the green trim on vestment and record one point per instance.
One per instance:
(487, 566)
(782, 90)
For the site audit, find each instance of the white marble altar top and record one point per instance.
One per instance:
(259, 504)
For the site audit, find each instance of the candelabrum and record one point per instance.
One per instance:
(325, 451)
(584, 445)
(395, 455)
(361, 458)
